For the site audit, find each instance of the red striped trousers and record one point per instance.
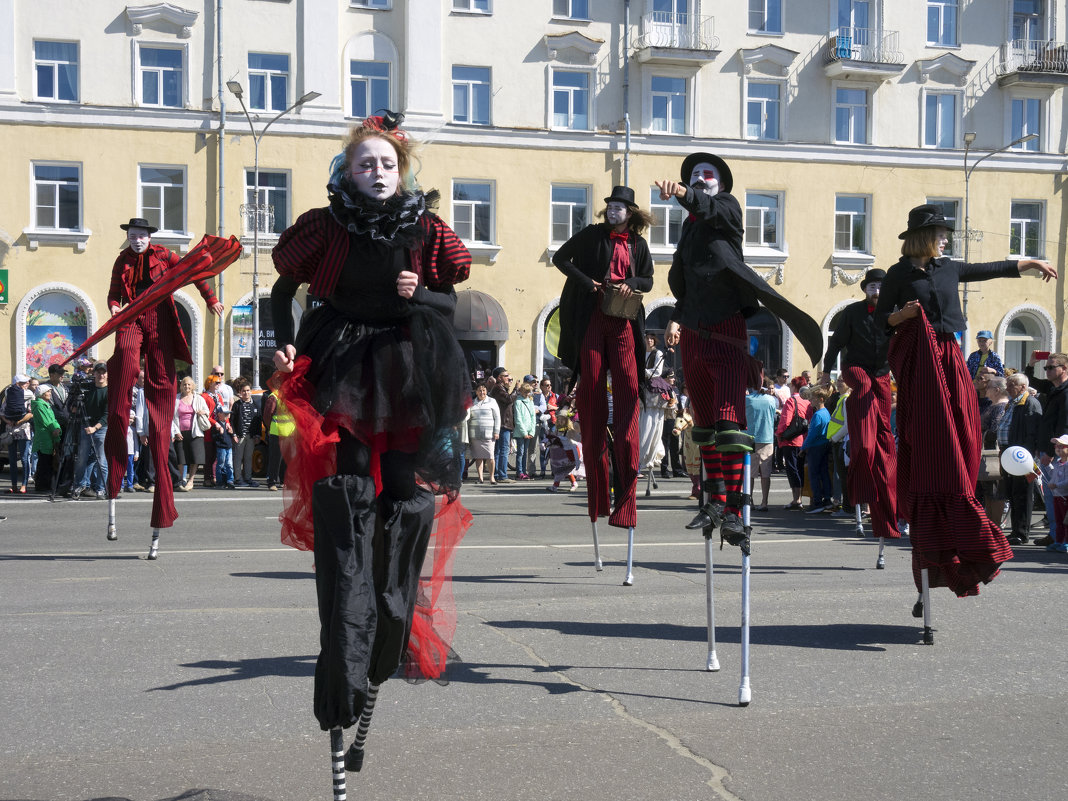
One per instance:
(872, 451)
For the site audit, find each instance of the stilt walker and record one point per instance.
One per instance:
(954, 544)
(377, 386)
(602, 323)
(145, 323)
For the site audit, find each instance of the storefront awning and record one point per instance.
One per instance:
(479, 317)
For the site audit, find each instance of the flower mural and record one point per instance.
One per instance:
(55, 327)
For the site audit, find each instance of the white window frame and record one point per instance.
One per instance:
(590, 84)
(958, 106)
(468, 7)
(469, 87)
(372, 5)
(1034, 146)
(1040, 223)
(267, 74)
(869, 111)
(472, 206)
(165, 232)
(267, 192)
(955, 248)
(764, 30)
(53, 225)
(369, 93)
(660, 243)
(570, 12)
(778, 244)
(865, 250)
(555, 243)
(54, 65)
(137, 80)
(780, 83)
(940, 7)
(686, 100)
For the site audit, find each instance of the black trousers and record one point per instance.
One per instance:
(1021, 504)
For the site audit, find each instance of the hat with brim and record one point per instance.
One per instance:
(139, 222)
(874, 274)
(925, 216)
(984, 334)
(726, 180)
(1061, 440)
(622, 194)
(43, 390)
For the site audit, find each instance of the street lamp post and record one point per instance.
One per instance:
(969, 139)
(236, 90)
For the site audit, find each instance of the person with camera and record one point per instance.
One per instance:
(91, 438)
(605, 264)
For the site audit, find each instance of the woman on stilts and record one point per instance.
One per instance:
(937, 409)
(377, 386)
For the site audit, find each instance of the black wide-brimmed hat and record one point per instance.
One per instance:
(872, 275)
(622, 194)
(726, 180)
(925, 216)
(139, 222)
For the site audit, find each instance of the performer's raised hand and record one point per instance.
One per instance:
(671, 335)
(114, 310)
(670, 189)
(1046, 270)
(283, 359)
(217, 309)
(407, 281)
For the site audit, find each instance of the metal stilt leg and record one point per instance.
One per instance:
(153, 549)
(337, 762)
(745, 693)
(928, 632)
(596, 548)
(354, 757)
(880, 563)
(859, 521)
(629, 580)
(713, 661)
(112, 531)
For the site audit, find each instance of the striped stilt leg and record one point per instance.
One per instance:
(880, 563)
(337, 762)
(354, 757)
(928, 632)
(112, 531)
(745, 692)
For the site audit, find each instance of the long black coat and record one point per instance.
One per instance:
(585, 258)
(860, 339)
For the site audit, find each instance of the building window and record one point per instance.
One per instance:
(1025, 230)
(949, 208)
(571, 100)
(161, 77)
(273, 197)
(762, 211)
(851, 116)
(1024, 334)
(942, 22)
(570, 211)
(855, 14)
(571, 9)
(669, 104)
(471, 95)
(56, 68)
(851, 224)
(472, 211)
(1027, 119)
(379, 4)
(940, 120)
(668, 217)
(268, 82)
(370, 87)
(765, 16)
(57, 193)
(1027, 22)
(763, 104)
(474, 6)
(163, 197)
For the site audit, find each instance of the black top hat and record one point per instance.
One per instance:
(726, 180)
(139, 222)
(872, 275)
(925, 216)
(622, 194)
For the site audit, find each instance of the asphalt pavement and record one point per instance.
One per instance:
(191, 676)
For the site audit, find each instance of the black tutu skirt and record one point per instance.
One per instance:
(397, 384)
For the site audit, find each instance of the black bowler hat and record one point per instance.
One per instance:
(872, 275)
(622, 194)
(726, 180)
(139, 222)
(925, 216)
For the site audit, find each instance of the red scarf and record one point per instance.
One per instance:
(620, 264)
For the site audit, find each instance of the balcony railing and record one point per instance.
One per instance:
(666, 29)
(865, 44)
(1027, 55)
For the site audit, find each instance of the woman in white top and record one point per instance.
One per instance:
(190, 422)
(483, 429)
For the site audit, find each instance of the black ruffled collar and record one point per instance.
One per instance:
(394, 221)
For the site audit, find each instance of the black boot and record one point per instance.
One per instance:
(344, 516)
(708, 516)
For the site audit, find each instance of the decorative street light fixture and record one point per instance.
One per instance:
(969, 139)
(257, 211)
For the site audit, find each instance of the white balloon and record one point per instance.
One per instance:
(1017, 461)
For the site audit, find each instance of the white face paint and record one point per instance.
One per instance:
(705, 177)
(374, 168)
(139, 240)
(871, 291)
(616, 213)
(941, 239)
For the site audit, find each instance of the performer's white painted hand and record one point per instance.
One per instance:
(671, 335)
(624, 290)
(670, 189)
(114, 310)
(283, 359)
(407, 281)
(217, 309)
(1046, 270)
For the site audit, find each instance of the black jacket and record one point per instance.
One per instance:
(861, 342)
(1026, 424)
(711, 281)
(505, 400)
(585, 258)
(1054, 410)
(937, 288)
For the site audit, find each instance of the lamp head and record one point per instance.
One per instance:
(235, 87)
(307, 98)
(969, 137)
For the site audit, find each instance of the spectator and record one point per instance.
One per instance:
(500, 389)
(1020, 425)
(211, 398)
(654, 357)
(1058, 483)
(525, 419)
(46, 434)
(56, 375)
(760, 408)
(191, 419)
(245, 423)
(992, 492)
(17, 418)
(984, 357)
(838, 434)
(795, 407)
(547, 402)
(222, 389)
(817, 448)
(671, 467)
(222, 435)
(1054, 389)
(129, 477)
(279, 423)
(483, 429)
(93, 474)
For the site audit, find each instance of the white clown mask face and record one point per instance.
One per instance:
(374, 169)
(871, 291)
(616, 213)
(705, 178)
(139, 239)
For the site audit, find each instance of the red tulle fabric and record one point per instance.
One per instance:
(310, 455)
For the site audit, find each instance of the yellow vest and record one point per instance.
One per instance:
(837, 418)
(282, 424)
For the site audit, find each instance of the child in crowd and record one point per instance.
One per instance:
(133, 447)
(245, 423)
(1058, 482)
(525, 416)
(817, 449)
(222, 434)
(564, 454)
